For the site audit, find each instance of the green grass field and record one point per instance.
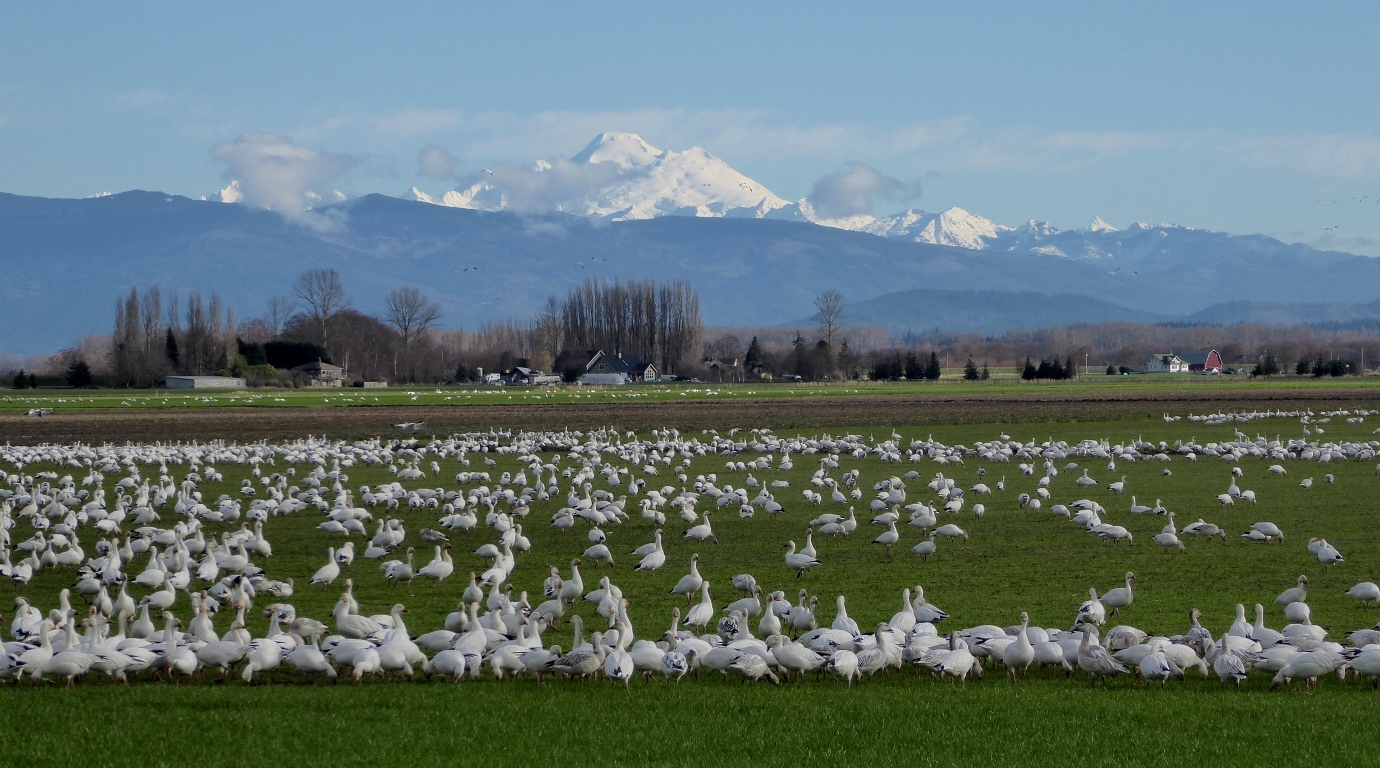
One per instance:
(1015, 560)
(65, 401)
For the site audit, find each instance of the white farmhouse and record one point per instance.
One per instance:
(1166, 363)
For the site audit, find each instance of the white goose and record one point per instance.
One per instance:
(690, 583)
(799, 563)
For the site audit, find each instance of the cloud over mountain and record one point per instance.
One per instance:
(275, 173)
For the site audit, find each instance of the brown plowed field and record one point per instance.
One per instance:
(778, 413)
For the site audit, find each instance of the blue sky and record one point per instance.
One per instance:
(1234, 116)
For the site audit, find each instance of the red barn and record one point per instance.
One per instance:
(1202, 360)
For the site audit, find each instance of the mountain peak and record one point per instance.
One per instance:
(1099, 225)
(626, 150)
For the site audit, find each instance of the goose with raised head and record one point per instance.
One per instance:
(1095, 660)
(903, 621)
(654, 559)
(842, 621)
(800, 563)
(1020, 654)
(702, 613)
(1121, 597)
(328, 572)
(702, 532)
(926, 612)
(440, 566)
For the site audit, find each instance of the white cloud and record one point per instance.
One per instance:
(1327, 154)
(417, 122)
(275, 173)
(436, 162)
(853, 191)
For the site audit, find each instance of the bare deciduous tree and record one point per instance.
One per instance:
(829, 309)
(324, 295)
(411, 312)
(278, 312)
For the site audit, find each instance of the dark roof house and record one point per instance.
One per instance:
(1201, 360)
(633, 368)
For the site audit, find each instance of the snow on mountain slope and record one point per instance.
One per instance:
(619, 177)
(954, 226)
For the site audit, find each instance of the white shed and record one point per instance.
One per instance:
(203, 382)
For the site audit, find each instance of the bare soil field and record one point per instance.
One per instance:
(247, 424)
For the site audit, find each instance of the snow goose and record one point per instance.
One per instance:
(1307, 664)
(690, 583)
(328, 572)
(1240, 627)
(440, 567)
(925, 612)
(1121, 597)
(809, 549)
(1156, 666)
(904, 620)
(753, 667)
(889, 538)
(1296, 594)
(926, 548)
(702, 531)
(799, 563)
(1268, 530)
(655, 559)
(1232, 665)
(1169, 540)
(842, 620)
(1021, 654)
(702, 613)
(1367, 592)
(844, 663)
(1095, 660)
(951, 531)
(1092, 611)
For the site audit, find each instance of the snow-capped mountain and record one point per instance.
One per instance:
(618, 177)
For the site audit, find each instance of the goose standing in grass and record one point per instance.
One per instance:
(926, 612)
(951, 531)
(1169, 540)
(701, 613)
(844, 663)
(799, 563)
(1092, 611)
(690, 583)
(1020, 654)
(888, 538)
(702, 531)
(1095, 660)
(1157, 666)
(1121, 597)
(328, 572)
(1297, 594)
(1367, 592)
(440, 567)
(842, 621)
(926, 547)
(655, 559)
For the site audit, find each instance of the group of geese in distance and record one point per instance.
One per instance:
(112, 522)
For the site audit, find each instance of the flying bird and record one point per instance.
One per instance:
(1113, 272)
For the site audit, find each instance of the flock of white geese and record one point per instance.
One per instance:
(138, 504)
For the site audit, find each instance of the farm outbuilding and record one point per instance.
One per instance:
(203, 382)
(1202, 360)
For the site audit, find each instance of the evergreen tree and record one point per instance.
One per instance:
(970, 371)
(1070, 371)
(20, 380)
(1028, 372)
(170, 350)
(1111, 370)
(932, 371)
(33, 381)
(753, 359)
(79, 375)
(1302, 368)
(986, 372)
(913, 369)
